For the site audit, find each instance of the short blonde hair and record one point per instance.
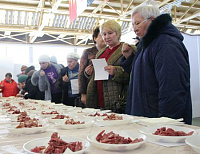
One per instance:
(111, 25)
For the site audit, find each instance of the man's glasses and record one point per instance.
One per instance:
(138, 24)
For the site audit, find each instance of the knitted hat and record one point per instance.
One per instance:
(53, 59)
(23, 67)
(44, 58)
(73, 55)
(30, 73)
(29, 69)
(22, 78)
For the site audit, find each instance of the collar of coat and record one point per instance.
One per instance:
(114, 57)
(154, 30)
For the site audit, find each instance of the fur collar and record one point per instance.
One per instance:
(154, 30)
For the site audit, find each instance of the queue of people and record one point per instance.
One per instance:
(150, 78)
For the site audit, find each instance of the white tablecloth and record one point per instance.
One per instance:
(13, 144)
(10, 143)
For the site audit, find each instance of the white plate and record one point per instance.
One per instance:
(56, 120)
(117, 147)
(159, 121)
(90, 110)
(105, 111)
(32, 130)
(126, 120)
(194, 142)
(148, 131)
(87, 124)
(44, 142)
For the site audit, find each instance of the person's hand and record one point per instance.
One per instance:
(65, 78)
(83, 98)
(42, 73)
(1, 84)
(89, 69)
(126, 50)
(110, 69)
(19, 95)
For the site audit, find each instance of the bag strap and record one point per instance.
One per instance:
(122, 92)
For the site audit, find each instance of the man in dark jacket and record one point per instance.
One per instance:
(32, 92)
(160, 76)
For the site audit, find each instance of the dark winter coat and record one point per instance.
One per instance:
(64, 86)
(33, 91)
(160, 77)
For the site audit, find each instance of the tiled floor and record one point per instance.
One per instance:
(196, 121)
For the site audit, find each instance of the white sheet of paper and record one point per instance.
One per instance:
(100, 73)
(74, 86)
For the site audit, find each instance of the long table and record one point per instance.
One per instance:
(13, 144)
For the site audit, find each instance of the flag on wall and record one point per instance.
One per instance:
(76, 7)
(72, 10)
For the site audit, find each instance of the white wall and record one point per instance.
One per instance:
(6, 66)
(192, 44)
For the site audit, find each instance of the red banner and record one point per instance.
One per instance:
(72, 10)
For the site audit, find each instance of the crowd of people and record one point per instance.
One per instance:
(150, 78)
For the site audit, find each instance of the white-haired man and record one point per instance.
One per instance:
(160, 76)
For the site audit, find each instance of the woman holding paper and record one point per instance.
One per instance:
(68, 80)
(105, 93)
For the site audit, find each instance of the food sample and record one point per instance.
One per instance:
(57, 145)
(60, 117)
(29, 124)
(47, 113)
(113, 138)
(113, 117)
(72, 122)
(170, 132)
(97, 114)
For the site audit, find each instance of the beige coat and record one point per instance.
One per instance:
(112, 87)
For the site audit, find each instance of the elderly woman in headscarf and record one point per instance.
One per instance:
(105, 94)
(68, 80)
(46, 77)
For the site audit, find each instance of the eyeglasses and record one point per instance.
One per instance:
(138, 24)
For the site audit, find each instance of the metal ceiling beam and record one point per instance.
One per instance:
(102, 5)
(83, 40)
(129, 5)
(122, 9)
(130, 11)
(188, 10)
(188, 26)
(164, 2)
(45, 30)
(175, 16)
(56, 38)
(51, 12)
(115, 9)
(10, 37)
(197, 13)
